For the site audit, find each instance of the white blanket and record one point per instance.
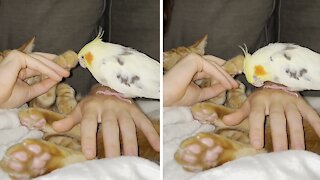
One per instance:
(125, 167)
(294, 165)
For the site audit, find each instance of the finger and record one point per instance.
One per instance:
(311, 115)
(145, 125)
(35, 64)
(51, 64)
(219, 67)
(256, 121)
(27, 73)
(237, 116)
(128, 134)
(46, 55)
(12, 65)
(40, 88)
(210, 92)
(70, 121)
(294, 120)
(110, 130)
(89, 123)
(201, 75)
(214, 59)
(278, 127)
(218, 73)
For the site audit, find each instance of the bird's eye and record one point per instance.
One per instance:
(82, 57)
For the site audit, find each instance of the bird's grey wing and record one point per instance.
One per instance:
(133, 75)
(296, 67)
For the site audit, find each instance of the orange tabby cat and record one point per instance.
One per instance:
(226, 143)
(34, 157)
(61, 97)
(173, 56)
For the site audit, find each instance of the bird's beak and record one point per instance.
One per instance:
(257, 82)
(82, 63)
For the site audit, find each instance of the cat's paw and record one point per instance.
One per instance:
(203, 114)
(30, 158)
(32, 118)
(201, 152)
(67, 60)
(207, 112)
(66, 100)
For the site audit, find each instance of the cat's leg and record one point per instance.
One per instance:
(67, 60)
(42, 119)
(236, 97)
(208, 150)
(35, 157)
(38, 118)
(45, 100)
(66, 100)
(207, 112)
(234, 65)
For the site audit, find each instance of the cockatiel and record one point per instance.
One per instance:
(127, 71)
(290, 65)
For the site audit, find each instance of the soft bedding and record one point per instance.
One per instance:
(125, 167)
(294, 165)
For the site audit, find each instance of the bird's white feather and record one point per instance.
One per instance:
(127, 71)
(291, 65)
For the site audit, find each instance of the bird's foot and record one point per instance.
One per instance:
(118, 95)
(280, 87)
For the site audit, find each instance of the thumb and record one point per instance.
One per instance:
(69, 121)
(41, 87)
(210, 92)
(237, 116)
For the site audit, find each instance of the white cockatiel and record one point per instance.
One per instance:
(290, 65)
(129, 72)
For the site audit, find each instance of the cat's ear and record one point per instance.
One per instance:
(28, 46)
(165, 56)
(201, 44)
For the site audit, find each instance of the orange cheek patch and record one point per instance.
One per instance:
(259, 70)
(88, 57)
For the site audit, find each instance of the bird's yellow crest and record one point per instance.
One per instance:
(85, 55)
(99, 36)
(246, 67)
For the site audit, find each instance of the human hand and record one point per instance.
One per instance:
(16, 67)
(117, 118)
(179, 86)
(284, 110)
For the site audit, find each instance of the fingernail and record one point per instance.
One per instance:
(54, 124)
(256, 144)
(299, 147)
(89, 153)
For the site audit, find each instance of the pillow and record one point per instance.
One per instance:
(57, 25)
(228, 24)
(299, 24)
(136, 23)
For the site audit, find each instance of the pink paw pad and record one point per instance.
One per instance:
(212, 154)
(194, 148)
(34, 148)
(207, 141)
(189, 158)
(21, 156)
(15, 166)
(33, 122)
(205, 116)
(41, 161)
(200, 152)
(39, 124)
